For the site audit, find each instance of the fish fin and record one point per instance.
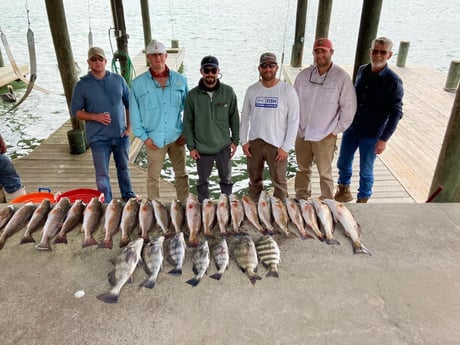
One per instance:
(27, 239)
(61, 239)
(170, 260)
(332, 241)
(106, 244)
(216, 276)
(108, 297)
(111, 278)
(194, 281)
(272, 274)
(176, 272)
(194, 269)
(89, 242)
(148, 283)
(358, 248)
(254, 278)
(2, 243)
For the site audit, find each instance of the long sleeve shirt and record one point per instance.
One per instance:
(327, 102)
(270, 114)
(379, 103)
(156, 112)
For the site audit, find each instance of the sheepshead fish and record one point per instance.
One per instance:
(54, 223)
(112, 220)
(263, 207)
(125, 264)
(221, 257)
(246, 257)
(310, 218)
(5, 214)
(269, 254)
(177, 215)
(200, 263)
(236, 212)
(18, 221)
(176, 256)
(280, 214)
(37, 220)
(152, 256)
(74, 217)
(91, 217)
(293, 210)
(146, 219)
(223, 213)
(250, 210)
(208, 216)
(129, 220)
(351, 227)
(325, 217)
(193, 215)
(161, 216)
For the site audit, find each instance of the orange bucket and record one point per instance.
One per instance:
(83, 194)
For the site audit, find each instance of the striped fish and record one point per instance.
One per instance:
(269, 254)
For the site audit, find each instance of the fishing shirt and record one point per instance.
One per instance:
(327, 105)
(270, 114)
(156, 112)
(211, 119)
(379, 103)
(109, 94)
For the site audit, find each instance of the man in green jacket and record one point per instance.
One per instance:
(212, 127)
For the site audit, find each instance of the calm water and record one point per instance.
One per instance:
(235, 31)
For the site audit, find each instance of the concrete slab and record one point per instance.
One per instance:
(407, 292)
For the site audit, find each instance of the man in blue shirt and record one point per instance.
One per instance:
(379, 92)
(156, 104)
(101, 98)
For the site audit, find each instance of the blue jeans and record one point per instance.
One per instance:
(101, 151)
(9, 178)
(350, 143)
(224, 168)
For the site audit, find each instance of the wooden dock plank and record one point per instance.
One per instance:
(8, 76)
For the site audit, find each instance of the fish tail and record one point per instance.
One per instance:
(306, 236)
(274, 274)
(176, 272)
(89, 242)
(320, 237)
(332, 240)
(124, 242)
(148, 283)
(194, 281)
(27, 239)
(61, 239)
(43, 245)
(254, 278)
(358, 248)
(216, 276)
(108, 297)
(106, 244)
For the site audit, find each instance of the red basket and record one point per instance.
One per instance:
(35, 198)
(83, 194)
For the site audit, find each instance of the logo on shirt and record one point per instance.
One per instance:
(267, 102)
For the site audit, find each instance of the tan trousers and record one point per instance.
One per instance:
(321, 153)
(155, 160)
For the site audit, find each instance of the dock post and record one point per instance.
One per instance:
(448, 165)
(299, 39)
(402, 53)
(175, 44)
(77, 141)
(453, 77)
(324, 18)
(146, 25)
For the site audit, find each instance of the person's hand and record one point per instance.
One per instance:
(2, 145)
(232, 149)
(380, 146)
(181, 140)
(195, 154)
(104, 118)
(281, 155)
(246, 150)
(149, 144)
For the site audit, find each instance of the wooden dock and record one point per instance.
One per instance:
(8, 76)
(403, 172)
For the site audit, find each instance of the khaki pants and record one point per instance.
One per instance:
(155, 160)
(322, 153)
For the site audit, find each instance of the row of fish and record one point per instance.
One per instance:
(310, 218)
(246, 252)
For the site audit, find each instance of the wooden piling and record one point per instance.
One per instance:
(368, 26)
(402, 53)
(324, 18)
(146, 25)
(453, 76)
(448, 166)
(299, 39)
(120, 34)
